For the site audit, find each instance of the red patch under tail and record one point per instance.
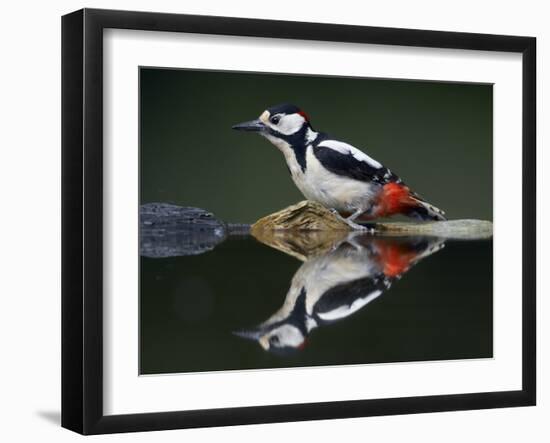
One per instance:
(394, 199)
(395, 258)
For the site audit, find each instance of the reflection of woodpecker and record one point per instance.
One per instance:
(337, 284)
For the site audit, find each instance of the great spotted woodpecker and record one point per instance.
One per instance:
(336, 174)
(332, 286)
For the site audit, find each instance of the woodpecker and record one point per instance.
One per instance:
(336, 174)
(332, 286)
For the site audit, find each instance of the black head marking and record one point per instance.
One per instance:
(284, 108)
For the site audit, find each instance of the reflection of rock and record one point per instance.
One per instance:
(168, 230)
(300, 244)
(311, 216)
(334, 285)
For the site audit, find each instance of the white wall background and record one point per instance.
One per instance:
(30, 218)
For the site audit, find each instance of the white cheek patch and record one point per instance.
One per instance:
(289, 336)
(289, 124)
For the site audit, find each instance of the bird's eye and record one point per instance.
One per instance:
(274, 340)
(275, 119)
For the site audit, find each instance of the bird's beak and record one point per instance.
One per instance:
(253, 126)
(255, 335)
(252, 334)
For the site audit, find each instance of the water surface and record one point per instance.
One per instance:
(246, 305)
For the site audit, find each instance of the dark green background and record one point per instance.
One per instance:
(436, 136)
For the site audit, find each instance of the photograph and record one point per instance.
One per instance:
(272, 221)
(290, 220)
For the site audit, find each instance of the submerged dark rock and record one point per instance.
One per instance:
(167, 230)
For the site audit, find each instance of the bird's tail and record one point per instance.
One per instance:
(423, 210)
(397, 198)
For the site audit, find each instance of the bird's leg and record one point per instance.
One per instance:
(350, 220)
(356, 214)
(352, 240)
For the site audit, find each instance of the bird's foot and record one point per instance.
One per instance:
(356, 226)
(351, 223)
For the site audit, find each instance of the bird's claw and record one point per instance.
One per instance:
(357, 226)
(350, 223)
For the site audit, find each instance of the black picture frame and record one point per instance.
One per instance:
(82, 220)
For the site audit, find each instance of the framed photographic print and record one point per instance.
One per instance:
(269, 221)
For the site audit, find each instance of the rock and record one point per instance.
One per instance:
(466, 229)
(303, 229)
(311, 216)
(167, 230)
(303, 216)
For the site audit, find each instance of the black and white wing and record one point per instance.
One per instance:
(346, 160)
(345, 299)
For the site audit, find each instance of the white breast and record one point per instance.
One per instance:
(331, 190)
(320, 185)
(320, 274)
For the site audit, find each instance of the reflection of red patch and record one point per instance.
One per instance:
(395, 198)
(395, 258)
(303, 114)
(302, 345)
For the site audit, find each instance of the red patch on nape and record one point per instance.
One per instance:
(303, 114)
(302, 345)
